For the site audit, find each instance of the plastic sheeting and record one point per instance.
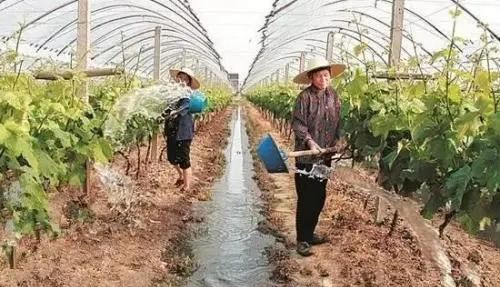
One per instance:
(122, 33)
(303, 25)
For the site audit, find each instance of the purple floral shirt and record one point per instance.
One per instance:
(316, 116)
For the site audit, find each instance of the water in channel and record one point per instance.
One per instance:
(228, 248)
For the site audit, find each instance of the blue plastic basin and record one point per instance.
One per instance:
(197, 102)
(271, 156)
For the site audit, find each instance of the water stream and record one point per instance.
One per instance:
(228, 248)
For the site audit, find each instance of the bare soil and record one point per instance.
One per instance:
(99, 247)
(361, 252)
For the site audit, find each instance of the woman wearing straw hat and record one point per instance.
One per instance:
(316, 125)
(180, 131)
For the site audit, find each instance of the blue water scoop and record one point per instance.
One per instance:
(274, 159)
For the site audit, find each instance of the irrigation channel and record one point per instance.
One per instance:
(227, 247)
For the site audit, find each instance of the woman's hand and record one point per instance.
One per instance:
(314, 146)
(341, 145)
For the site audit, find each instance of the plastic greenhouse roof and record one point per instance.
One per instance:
(49, 30)
(303, 25)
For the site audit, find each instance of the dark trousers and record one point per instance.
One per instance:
(311, 195)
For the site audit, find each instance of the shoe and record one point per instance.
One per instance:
(179, 182)
(304, 249)
(317, 240)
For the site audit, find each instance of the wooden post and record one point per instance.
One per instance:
(379, 210)
(329, 46)
(302, 64)
(183, 58)
(82, 61)
(83, 44)
(398, 8)
(156, 75)
(12, 256)
(287, 72)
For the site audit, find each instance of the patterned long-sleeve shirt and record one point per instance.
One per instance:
(316, 116)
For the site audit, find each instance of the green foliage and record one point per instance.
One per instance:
(443, 134)
(280, 100)
(218, 98)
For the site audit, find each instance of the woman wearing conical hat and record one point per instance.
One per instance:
(316, 125)
(180, 131)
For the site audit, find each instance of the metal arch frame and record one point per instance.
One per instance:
(385, 24)
(151, 48)
(201, 31)
(131, 58)
(384, 61)
(147, 59)
(181, 40)
(194, 51)
(214, 67)
(162, 16)
(99, 25)
(406, 9)
(170, 29)
(73, 22)
(264, 65)
(168, 65)
(301, 35)
(373, 29)
(116, 19)
(434, 27)
(202, 38)
(172, 61)
(409, 38)
(222, 75)
(254, 75)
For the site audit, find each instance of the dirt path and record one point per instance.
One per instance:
(99, 248)
(361, 253)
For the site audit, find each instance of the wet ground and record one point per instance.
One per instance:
(228, 248)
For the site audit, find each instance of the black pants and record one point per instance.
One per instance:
(311, 195)
(178, 152)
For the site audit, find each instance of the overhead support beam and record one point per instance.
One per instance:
(403, 76)
(68, 75)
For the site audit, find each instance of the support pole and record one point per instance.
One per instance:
(278, 76)
(398, 8)
(82, 61)
(183, 58)
(329, 46)
(287, 73)
(156, 75)
(83, 44)
(302, 64)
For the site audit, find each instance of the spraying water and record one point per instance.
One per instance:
(148, 102)
(121, 190)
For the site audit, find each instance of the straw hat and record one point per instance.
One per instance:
(316, 63)
(195, 84)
